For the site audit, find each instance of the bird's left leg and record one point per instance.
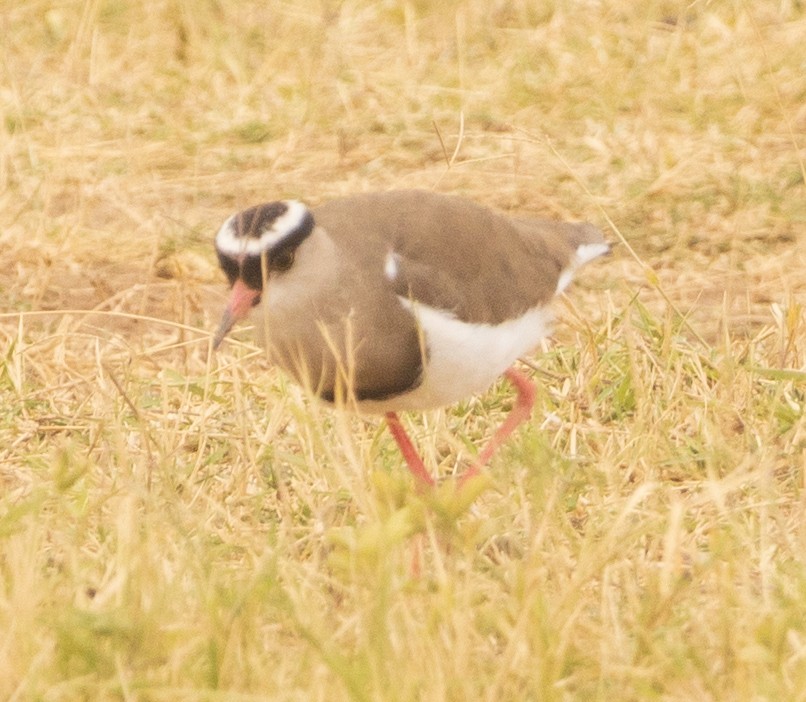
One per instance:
(519, 413)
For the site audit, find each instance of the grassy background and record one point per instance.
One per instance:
(178, 526)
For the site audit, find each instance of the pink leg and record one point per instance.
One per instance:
(410, 455)
(519, 413)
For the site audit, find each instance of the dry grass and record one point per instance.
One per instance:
(176, 526)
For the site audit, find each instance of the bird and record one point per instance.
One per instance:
(404, 300)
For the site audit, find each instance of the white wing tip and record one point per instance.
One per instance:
(584, 254)
(587, 252)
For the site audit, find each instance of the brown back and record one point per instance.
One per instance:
(454, 254)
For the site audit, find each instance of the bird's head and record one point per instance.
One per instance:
(253, 246)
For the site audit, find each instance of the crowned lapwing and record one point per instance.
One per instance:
(404, 300)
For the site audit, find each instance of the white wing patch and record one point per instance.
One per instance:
(391, 267)
(228, 243)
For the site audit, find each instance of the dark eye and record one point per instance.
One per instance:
(251, 272)
(229, 267)
(282, 260)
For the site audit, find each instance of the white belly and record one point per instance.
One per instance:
(463, 359)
